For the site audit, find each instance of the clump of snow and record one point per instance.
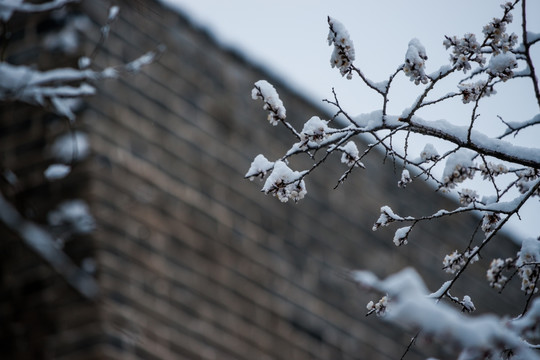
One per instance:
(259, 167)
(57, 171)
(343, 53)
(527, 325)
(429, 153)
(405, 179)
(527, 264)
(315, 130)
(351, 155)
(459, 167)
(475, 91)
(285, 183)
(490, 221)
(267, 93)
(410, 307)
(113, 12)
(70, 147)
(387, 216)
(74, 215)
(145, 59)
(7, 8)
(502, 65)
(84, 62)
(401, 234)
(415, 61)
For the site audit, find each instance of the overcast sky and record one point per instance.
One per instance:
(288, 37)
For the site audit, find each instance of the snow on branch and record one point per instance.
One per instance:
(411, 306)
(8, 7)
(40, 240)
(508, 170)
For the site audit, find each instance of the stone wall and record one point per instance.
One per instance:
(193, 261)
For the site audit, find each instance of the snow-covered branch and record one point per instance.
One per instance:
(40, 240)
(506, 167)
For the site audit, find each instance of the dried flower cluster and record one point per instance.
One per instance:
(379, 308)
(492, 169)
(453, 262)
(495, 32)
(475, 91)
(464, 50)
(495, 272)
(467, 196)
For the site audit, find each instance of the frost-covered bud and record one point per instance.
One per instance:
(378, 308)
(429, 153)
(490, 221)
(350, 155)
(494, 274)
(472, 92)
(467, 196)
(285, 183)
(528, 265)
(405, 179)
(259, 167)
(387, 216)
(315, 130)
(492, 170)
(343, 53)
(415, 61)
(458, 168)
(400, 237)
(267, 93)
(502, 65)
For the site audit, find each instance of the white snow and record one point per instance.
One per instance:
(315, 130)
(57, 171)
(74, 214)
(411, 307)
(8, 7)
(502, 65)
(267, 93)
(259, 167)
(285, 183)
(415, 60)
(400, 236)
(70, 147)
(343, 54)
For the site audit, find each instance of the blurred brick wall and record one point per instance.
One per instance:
(194, 261)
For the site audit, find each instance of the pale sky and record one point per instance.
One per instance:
(289, 39)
